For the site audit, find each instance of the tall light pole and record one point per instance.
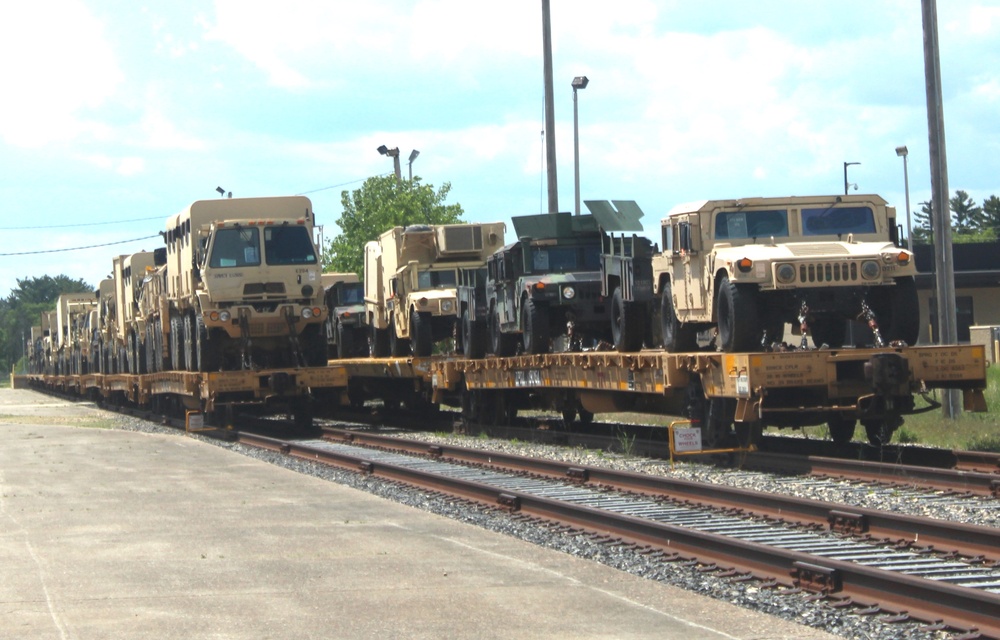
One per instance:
(550, 110)
(579, 82)
(394, 154)
(413, 156)
(902, 153)
(846, 183)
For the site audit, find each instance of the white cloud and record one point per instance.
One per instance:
(56, 64)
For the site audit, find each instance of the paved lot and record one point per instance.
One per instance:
(114, 534)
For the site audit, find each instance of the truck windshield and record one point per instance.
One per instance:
(352, 294)
(433, 279)
(288, 245)
(236, 247)
(837, 221)
(563, 259)
(740, 225)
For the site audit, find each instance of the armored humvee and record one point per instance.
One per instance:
(546, 288)
(411, 277)
(750, 266)
(344, 294)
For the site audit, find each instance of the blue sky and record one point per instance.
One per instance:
(127, 112)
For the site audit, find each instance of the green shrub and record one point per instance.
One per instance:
(905, 436)
(988, 442)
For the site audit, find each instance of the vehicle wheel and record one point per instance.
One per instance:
(378, 345)
(828, 331)
(904, 307)
(473, 337)
(345, 341)
(676, 337)
(150, 350)
(206, 350)
(739, 323)
(398, 347)
(501, 344)
(141, 357)
(175, 340)
(879, 432)
(841, 428)
(534, 327)
(420, 333)
(188, 344)
(314, 346)
(627, 323)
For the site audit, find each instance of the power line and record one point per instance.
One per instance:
(342, 184)
(92, 246)
(81, 224)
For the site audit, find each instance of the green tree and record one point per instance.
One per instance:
(923, 224)
(991, 215)
(22, 310)
(380, 204)
(966, 214)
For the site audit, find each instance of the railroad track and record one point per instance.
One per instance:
(941, 573)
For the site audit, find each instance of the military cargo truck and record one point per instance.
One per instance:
(243, 286)
(103, 347)
(545, 289)
(747, 267)
(72, 345)
(344, 294)
(411, 276)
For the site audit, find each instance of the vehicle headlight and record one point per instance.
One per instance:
(870, 269)
(569, 293)
(307, 313)
(446, 305)
(785, 273)
(224, 316)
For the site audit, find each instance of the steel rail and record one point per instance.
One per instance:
(950, 537)
(919, 598)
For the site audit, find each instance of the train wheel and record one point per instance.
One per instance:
(535, 327)
(749, 433)
(841, 428)
(739, 324)
(627, 323)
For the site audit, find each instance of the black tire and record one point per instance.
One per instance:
(141, 361)
(150, 349)
(314, 347)
(501, 344)
(207, 351)
(378, 345)
(739, 322)
(398, 347)
(420, 334)
(628, 325)
(534, 327)
(188, 345)
(175, 340)
(473, 337)
(841, 428)
(905, 311)
(677, 338)
(345, 341)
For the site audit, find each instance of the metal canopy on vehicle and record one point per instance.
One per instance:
(553, 225)
(617, 215)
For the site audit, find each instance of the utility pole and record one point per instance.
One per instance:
(550, 111)
(940, 211)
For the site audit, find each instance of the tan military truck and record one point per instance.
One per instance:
(128, 272)
(243, 286)
(411, 280)
(72, 345)
(747, 267)
(104, 347)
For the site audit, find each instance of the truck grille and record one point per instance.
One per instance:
(829, 272)
(260, 288)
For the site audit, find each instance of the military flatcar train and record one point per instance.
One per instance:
(783, 312)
